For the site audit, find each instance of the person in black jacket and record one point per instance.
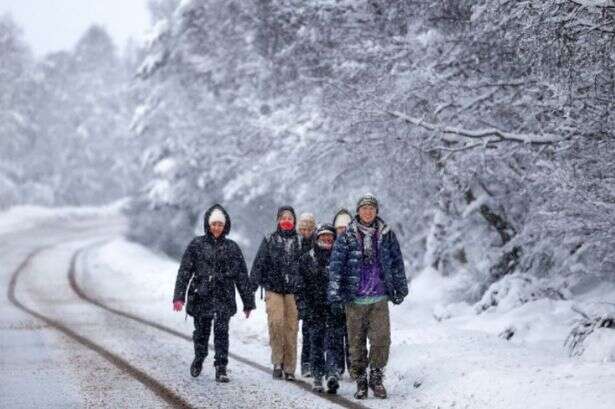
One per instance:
(275, 270)
(341, 220)
(325, 322)
(306, 227)
(211, 267)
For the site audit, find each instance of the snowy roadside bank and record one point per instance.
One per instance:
(442, 356)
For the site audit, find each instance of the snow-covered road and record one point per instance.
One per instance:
(60, 349)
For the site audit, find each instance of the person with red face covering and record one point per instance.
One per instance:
(275, 269)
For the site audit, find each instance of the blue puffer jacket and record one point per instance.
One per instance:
(346, 259)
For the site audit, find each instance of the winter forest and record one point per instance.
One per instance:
(485, 128)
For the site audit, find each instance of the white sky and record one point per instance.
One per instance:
(52, 25)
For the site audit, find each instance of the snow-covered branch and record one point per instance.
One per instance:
(479, 133)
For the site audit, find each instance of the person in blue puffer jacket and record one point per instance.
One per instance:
(366, 271)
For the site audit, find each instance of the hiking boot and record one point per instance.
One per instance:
(333, 384)
(289, 377)
(376, 376)
(306, 371)
(221, 375)
(277, 371)
(197, 365)
(361, 392)
(317, 384)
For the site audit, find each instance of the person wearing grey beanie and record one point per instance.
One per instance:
(366, 271)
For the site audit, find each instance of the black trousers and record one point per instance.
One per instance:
(305, 348)
(202, 330)
(327, 352)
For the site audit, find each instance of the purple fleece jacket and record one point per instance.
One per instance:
(372, 282)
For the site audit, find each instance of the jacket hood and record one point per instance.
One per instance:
(227, 225)
(341, 212)
(282, 209)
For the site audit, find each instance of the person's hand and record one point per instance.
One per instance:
(178, 305)
(247, 313)
(397, 299)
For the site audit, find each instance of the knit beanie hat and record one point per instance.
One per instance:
(367, 199)
(325, 228)
(217, 216)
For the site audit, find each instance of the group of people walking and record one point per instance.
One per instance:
(338, 279)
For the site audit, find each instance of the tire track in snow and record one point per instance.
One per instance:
(72, 272)
(160, 390)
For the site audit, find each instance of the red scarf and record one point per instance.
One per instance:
(287, 225)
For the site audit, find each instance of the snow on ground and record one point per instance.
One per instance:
(459, 361)
(35, 359)
(41, 367)
(443, 355)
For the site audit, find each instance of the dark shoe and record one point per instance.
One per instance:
(197, 365)
(376, 376)
(221, 375)
(289, 377)
(317, 385)
(333, 384)
(277, 372)
(306, 371)
(361, 392)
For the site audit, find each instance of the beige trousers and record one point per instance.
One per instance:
(282, 318)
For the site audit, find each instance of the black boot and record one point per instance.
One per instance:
(221, 375)
(289, 377)
(333, 384)
(376, 376)
(197, 365)
(361, 392)
(277, 371)
(317, 384)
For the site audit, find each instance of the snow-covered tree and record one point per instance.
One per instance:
(488, 139)
(65, 122)
(17, 132)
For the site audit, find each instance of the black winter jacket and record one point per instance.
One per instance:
(307, 244)
(210, 270)
(275, 266)
(313, 268)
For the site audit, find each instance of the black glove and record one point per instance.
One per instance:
(397, 299)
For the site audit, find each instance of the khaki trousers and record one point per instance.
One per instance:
(282, 319)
